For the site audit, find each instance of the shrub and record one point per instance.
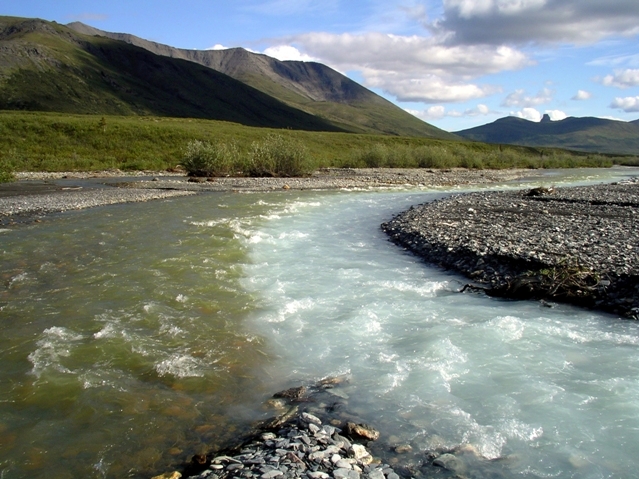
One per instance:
(6, 173)
(202, 158)
(277, 155)
(6, 169)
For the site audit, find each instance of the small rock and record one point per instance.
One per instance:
(403, 448)
(272, 474)
(169, 475)
(310, 418)
(450, 463)
(362, 430)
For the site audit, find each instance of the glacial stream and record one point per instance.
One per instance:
(134, 336)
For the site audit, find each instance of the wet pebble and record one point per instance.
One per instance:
(295, 451)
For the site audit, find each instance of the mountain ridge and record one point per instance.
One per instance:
(45, 66)
(309, 86)
(589, 134)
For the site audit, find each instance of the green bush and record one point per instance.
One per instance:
(202, 158)
(6, 169)
(277, 155)
(6, 173)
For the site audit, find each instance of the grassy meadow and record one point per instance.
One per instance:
(35, 141)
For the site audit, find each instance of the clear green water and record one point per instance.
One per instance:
(123, 337)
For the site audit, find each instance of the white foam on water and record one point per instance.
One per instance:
(290, 309)
(18, 278)
(211, 223)
(180, 366)
(110, 330)
(509, 327)
(493, 374)
(55, 344)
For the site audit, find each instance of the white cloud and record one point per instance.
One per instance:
(528, 114)
(218, 46)
(479, 110)
(438, 112)
(629, 104)
(556, 115)
(582, 95)
(413, 68)
(287, 52)
(622, 78)
(518, 98)
(433, 113)
(474, 8)
(429, 89)
(537, 21)
(395, 53)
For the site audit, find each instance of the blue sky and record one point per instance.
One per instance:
(454, 63)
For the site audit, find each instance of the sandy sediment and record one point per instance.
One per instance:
(577, 245)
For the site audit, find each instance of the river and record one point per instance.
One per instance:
(134, 336)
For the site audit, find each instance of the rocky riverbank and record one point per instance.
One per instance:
(578, 245)
(316, 436)
(37, 194)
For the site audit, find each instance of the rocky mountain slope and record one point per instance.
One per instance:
(311, 87)
(45, 66)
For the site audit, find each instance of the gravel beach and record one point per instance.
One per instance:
(578, 245)
(35, 195)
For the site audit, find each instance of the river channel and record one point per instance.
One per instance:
(136, 335)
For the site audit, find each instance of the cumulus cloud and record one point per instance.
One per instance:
(428, 89)
(287, 52)
(519, 99)
(433, 113)
(629, 104)
(538, 21)
(582, 95)
(413, 68)
(622, 79)
(533, 114)
(438, 112)
(556, 115)
(479, 110)
(528, 114)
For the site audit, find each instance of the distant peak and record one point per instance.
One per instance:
(545, 118)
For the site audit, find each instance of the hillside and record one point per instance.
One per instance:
(589, 134)
(311, 87)
(45, 66)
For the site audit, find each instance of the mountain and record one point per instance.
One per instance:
(308, 86)
(45, 66)
(589, 134)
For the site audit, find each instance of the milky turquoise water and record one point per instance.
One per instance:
(136, 335)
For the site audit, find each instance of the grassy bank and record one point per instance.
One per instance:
(61, 142)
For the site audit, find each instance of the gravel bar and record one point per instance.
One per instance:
(577, 244)
(37, 194)
(340, 178)
(21, 208)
